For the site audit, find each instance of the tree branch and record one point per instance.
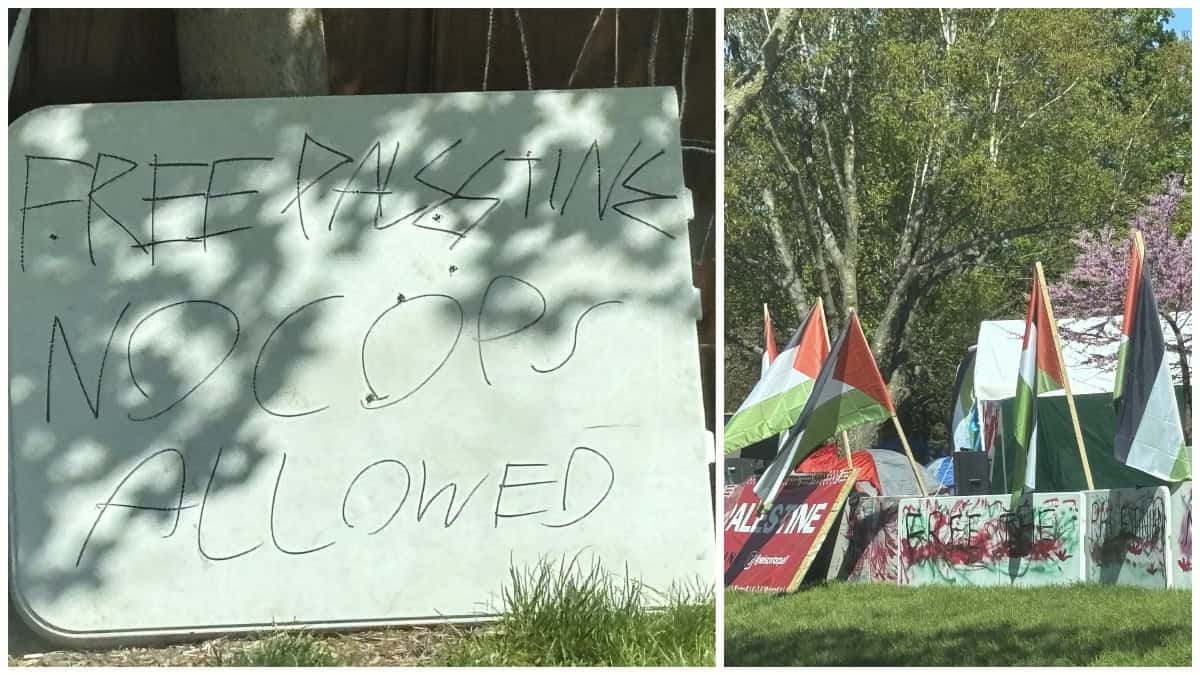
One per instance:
(811, 210)
(745, 91)
(792, 284)
(1049, 103)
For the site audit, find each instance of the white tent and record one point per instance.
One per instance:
(998, 354)
(997, 358)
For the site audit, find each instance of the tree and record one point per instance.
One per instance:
(895, 154)
(1096, 284)
(226, 53)
(742, 94)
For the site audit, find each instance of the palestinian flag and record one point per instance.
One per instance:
(1040, 372)
(1149, 434)
(779, 396)
(769, 349)
(848, 392)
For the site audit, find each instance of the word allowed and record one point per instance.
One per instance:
(400, 483)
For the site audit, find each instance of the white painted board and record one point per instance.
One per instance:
(223, 417)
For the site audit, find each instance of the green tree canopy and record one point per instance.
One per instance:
(913, 163)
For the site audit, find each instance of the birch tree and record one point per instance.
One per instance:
(890, 151)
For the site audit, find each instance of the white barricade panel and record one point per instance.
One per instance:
(1127, 533)
(342, 361)
(982, 541)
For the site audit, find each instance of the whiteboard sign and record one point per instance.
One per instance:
(344, 361)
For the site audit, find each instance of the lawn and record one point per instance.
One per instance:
(840, 624)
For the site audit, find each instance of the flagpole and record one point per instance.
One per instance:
(908, 451)
(1003, 448)
(850, 471)
(845, 436)
(1087, 469)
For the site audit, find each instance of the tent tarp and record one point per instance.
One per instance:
(896, 474)
(998, 354)
(1059, 467)
(942, 468)
(887, 471)
(828, 458)
(997, 357)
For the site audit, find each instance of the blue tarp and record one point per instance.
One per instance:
(942, 468)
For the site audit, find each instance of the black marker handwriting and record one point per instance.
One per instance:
(56, 328)
(200, 523)
(575, 340)
(373, 399)
(263, 349)
(479, 339)
(104, 506)
(237, 333)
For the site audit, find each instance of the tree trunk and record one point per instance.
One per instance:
(235, 53)
(743, 94)
(792, 284)
(1187, 379)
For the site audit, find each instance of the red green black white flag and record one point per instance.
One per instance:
(848, 392)
(777, 399)
(1040, 372)
(769, 348)
(1149, 434)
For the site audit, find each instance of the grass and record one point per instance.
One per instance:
(841, 624)
(556, 615)
(281, 649)
(563, 615)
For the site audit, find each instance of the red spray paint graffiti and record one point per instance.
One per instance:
(1185, 535)
(871, 535)
(980, 533)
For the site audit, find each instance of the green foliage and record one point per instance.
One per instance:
(841, 624)
(562, 615)
(986, 139)
(282, 649)
(938, 346)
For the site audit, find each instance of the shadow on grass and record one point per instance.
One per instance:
(875, 625)
(1006, 644)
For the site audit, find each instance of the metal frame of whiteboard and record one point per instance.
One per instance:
(568, 119)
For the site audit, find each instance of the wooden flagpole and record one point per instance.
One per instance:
(851, 472)
(908, 451)
(1141, 245)
(1087, 469)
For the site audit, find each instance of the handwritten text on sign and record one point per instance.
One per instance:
(773, 550)
(345, 360)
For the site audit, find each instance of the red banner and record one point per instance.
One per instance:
(772, 551)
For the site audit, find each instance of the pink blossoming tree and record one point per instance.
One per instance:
(1095, 286)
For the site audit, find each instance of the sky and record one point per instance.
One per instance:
(1182, 21)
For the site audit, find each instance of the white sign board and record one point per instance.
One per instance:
(343, 361)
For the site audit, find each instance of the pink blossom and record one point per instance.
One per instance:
(1095, 286)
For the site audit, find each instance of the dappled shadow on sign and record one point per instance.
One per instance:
(196, 363)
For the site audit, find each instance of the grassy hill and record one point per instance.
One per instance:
(841, 624)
